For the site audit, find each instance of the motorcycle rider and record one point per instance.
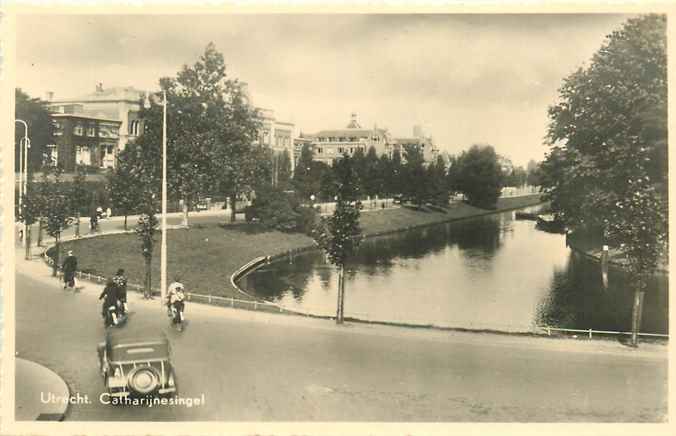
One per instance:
(109, 297)
(175, 297)
(121, 284)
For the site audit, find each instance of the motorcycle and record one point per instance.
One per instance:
(177, 316)
(114, 316)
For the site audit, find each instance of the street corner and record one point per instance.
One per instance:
(41, 394)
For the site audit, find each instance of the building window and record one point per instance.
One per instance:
(78, 130)
(319, 150)
(91, 131)
(58, 128)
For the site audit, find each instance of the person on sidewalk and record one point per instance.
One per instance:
(121, 283)
(94, 222)
(69, 268)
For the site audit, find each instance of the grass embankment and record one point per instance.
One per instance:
(205, 256)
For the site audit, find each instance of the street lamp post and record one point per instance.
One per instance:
(23, 169)
(163, 244)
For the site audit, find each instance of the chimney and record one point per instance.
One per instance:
(49, 96)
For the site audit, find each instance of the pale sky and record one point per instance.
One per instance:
(466, 78)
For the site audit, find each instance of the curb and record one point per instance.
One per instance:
(38, 381)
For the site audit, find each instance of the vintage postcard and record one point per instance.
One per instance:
(334, 219)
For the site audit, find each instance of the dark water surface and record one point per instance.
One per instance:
(486, 273)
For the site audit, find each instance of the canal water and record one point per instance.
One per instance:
(492, 272)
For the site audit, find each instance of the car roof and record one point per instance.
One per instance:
(130, 336)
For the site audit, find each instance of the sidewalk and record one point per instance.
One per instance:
(40, 394)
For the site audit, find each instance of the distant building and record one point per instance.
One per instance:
(329, 145)
(121, 104)
(84, 140)
(420, 141)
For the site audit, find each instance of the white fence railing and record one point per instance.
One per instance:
(590, 332)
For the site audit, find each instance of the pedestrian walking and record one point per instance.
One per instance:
(121, 283)
(69, 268)
(94, 222)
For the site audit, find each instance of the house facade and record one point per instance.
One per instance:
(84, 140)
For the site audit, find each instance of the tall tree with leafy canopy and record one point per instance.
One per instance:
(340, 234)
(477, 174)
(607, 167)
(210, 130)
(40, 128)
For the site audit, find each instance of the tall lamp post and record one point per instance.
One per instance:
(163, 245)
(23, 169)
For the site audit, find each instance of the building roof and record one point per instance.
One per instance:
(85, 116)
(347, 132)
(116, 93)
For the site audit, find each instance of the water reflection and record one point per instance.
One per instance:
(576, 298)
(491, 272)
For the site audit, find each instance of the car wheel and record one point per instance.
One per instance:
(144, 379)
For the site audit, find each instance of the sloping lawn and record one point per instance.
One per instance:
(205, 256)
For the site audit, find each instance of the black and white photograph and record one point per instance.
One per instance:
(409, 220)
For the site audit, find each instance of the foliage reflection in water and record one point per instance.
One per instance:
(487, 273)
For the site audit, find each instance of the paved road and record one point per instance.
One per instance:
(264, 367)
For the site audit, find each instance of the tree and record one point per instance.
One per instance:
(608, 136)
(415, 181)
(283, 178)
(123, 189)
(145, 230)
(40, 128)
(57, 212)
(439, 191)
(533, 173)
(211, 129)
(477, 174)
(302, 175)
(371, 179)
(394, 178)
(78, 196)
(340, 234)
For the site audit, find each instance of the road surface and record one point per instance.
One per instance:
(265, 367)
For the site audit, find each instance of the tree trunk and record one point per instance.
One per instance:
(341, 290)
(57, 248)
(40, 233)
(148, 292)
(77, 225)
(125, 222)
(185, 212)
(27, 238)
(636, 315)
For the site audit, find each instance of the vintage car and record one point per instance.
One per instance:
(136, 364)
